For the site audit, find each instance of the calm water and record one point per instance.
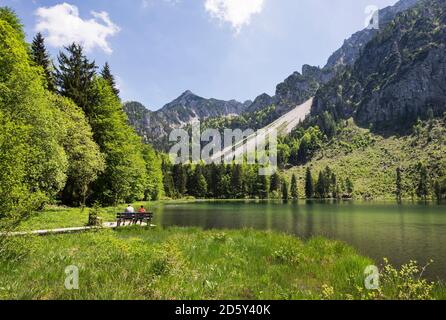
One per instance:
(398, 232)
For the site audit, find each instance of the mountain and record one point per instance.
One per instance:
(155, 127)
(189, 107)
(293, 91)
(352, 47)
(398, 77)
(299, 87)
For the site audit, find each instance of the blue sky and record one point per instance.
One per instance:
(226, 49)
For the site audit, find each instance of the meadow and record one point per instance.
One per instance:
(189, 263)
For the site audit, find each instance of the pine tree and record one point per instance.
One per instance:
(423, 185)
(107, 75)
(321, 186)
(334, 185)
(180, 179)
(168, 183)
(74, 77)
(398, 184)
(237, 181)
(41, 58)
(285, 195)
(294, 192)
(200, 184)
(309, 189)
(275, 182)
(327, 181)
(262, 187)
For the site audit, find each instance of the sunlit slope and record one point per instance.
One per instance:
(282, 126)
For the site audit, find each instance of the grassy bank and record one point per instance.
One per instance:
(54, 217)
(140, 263)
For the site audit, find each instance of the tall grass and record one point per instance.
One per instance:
(139, 263)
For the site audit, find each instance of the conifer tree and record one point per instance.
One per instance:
(41, 58)
(334, 185)
(262, 189)
(398, 184)
(108, 76)
(285, 195)
(423, 184)
(238, 191)
(180, 179)
(294, 192)
(321, 186)
(75, 77)
(309, 189)
(200, 187)
(275, 182)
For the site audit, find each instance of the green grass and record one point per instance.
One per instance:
(140, 263)
(54, 217)
(371, 160)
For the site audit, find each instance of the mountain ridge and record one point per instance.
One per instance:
(154, 126)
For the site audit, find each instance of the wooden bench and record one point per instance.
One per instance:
(134, 218)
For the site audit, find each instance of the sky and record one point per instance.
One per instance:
(224, 49)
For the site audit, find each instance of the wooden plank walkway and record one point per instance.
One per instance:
(106, 225)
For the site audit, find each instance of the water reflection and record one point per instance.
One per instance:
(399, 232)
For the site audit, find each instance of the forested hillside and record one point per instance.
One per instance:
(393, 145)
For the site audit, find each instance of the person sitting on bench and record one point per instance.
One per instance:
(142, 210)
(130, 209)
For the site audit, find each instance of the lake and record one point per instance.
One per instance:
(410, 231)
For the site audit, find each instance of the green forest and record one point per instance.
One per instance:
(64, 134)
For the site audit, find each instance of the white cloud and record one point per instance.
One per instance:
(64, 26)
(237, 12)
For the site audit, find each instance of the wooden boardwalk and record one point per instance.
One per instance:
(106, 225)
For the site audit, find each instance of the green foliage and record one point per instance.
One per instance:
(399, 187)
(253, 120)
(9, 16)
(423, 184)
(24, 101)
(75, 78)
(154, 187)
(371, 161)
(199, 186)
(85, 161)
(309, 187)
(294, 191)
(321, 186)
(108, 76)
(95, 215)
(237, 181)
(275, 182)
(125, 176)
(41, 58)
(285, 194)
(192, 264)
